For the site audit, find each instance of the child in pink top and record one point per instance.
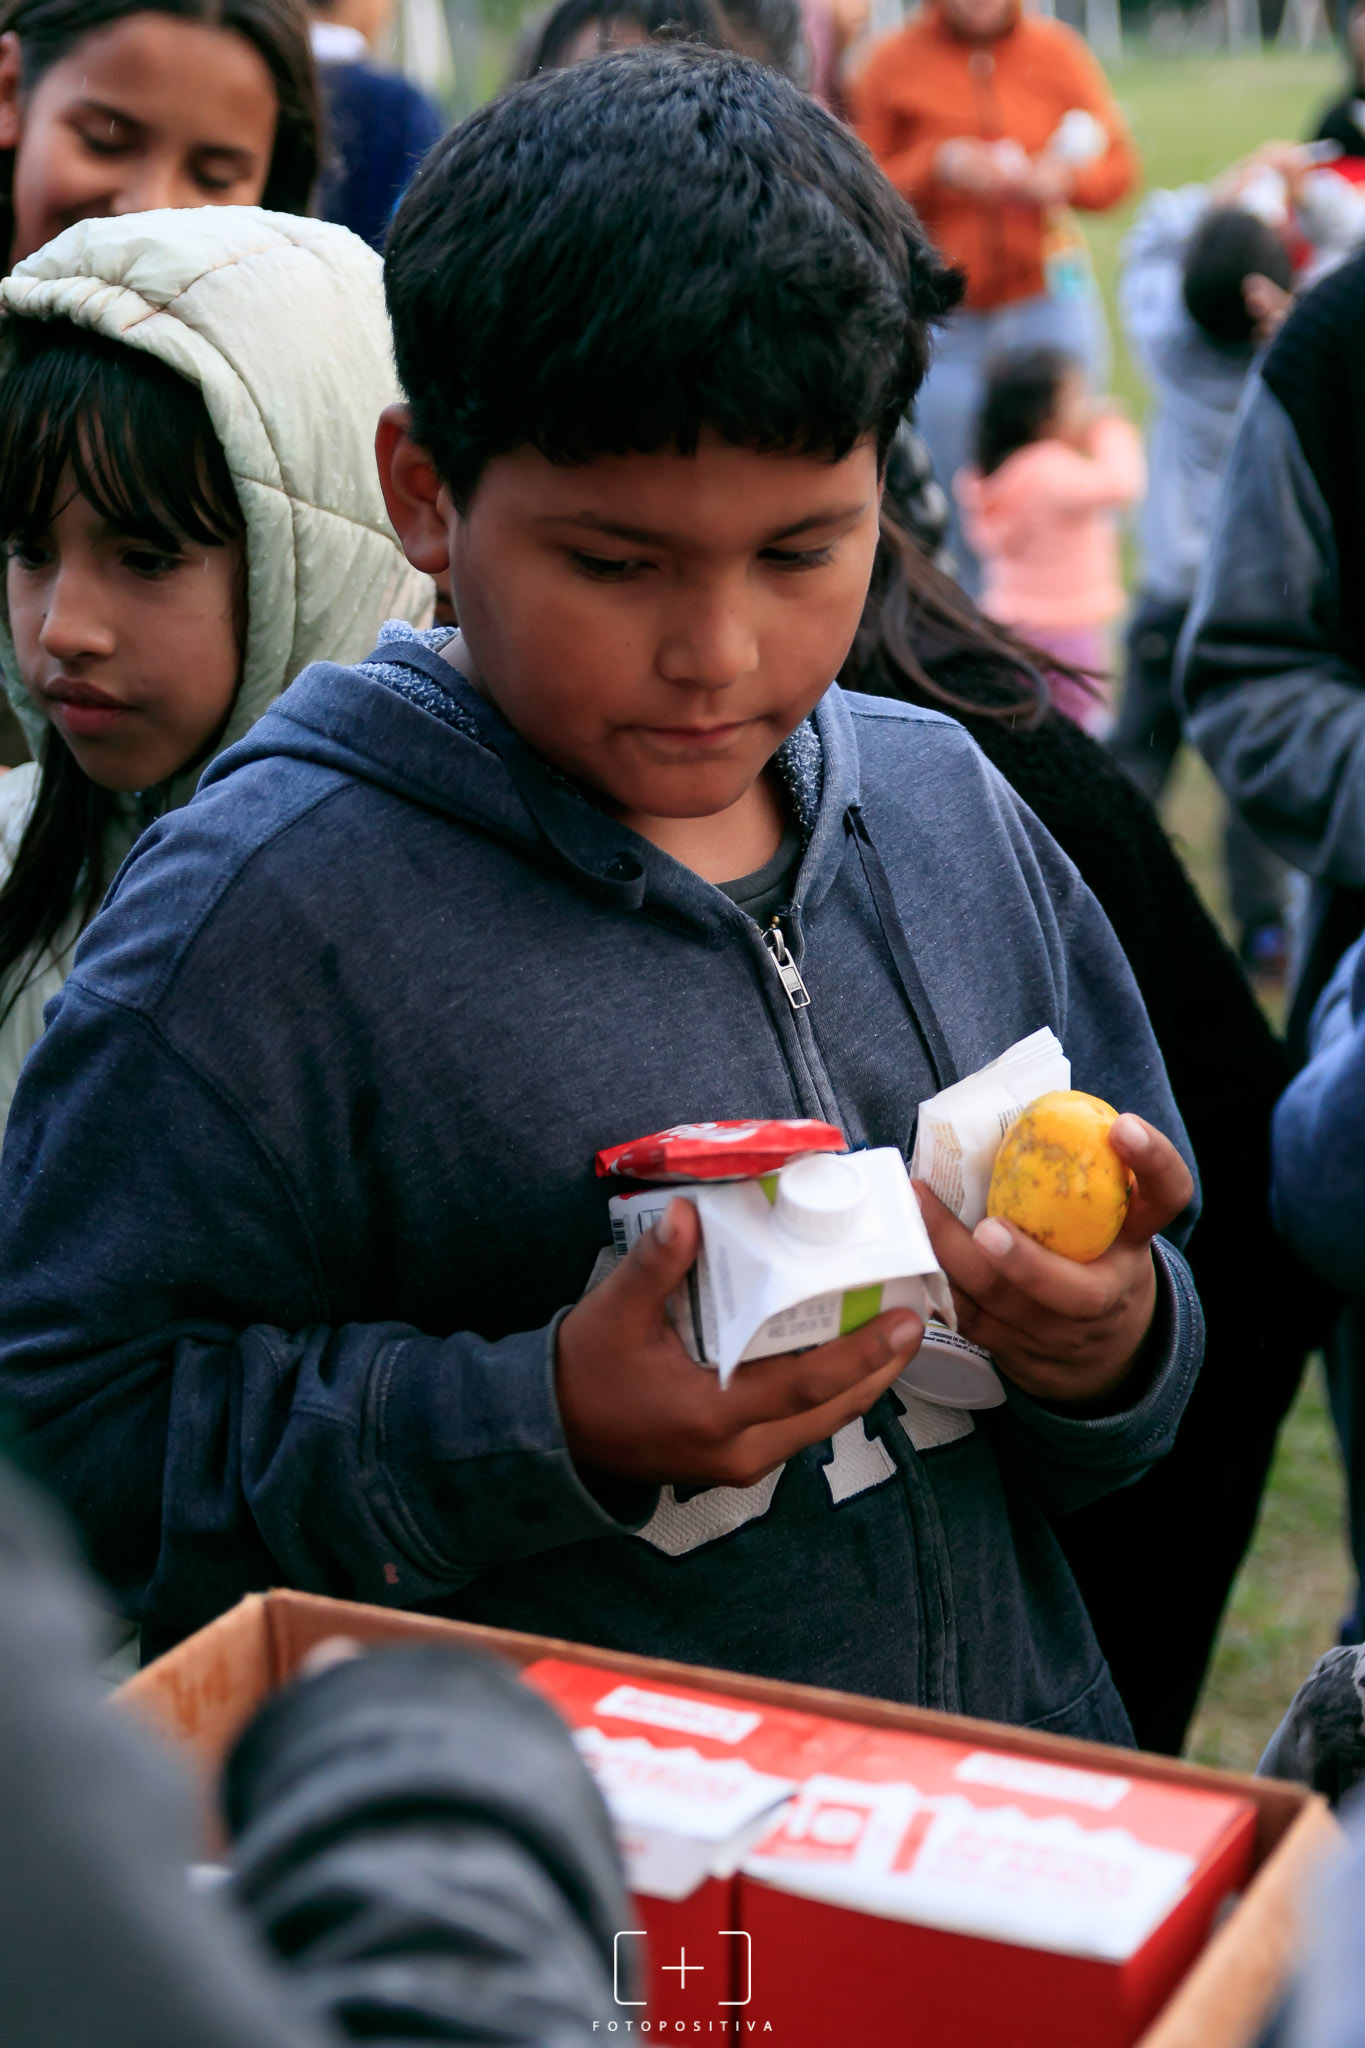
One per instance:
(1054, 468)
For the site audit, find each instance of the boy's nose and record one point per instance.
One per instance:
(708, 646)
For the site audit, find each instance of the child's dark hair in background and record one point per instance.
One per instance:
(771, 31)
(49, 30)
(1022, 393)
(783, 319)
(1229, 246)
(136, 441)
(581, 28)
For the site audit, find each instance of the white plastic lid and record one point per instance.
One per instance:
(953, 1373)
(820, 1199)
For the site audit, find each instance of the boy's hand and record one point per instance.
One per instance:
(1062, 1331)
(635, 1406)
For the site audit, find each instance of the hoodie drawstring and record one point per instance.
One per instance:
(922, 1013)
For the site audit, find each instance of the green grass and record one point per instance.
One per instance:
(1192, 116)
(1289, 1597)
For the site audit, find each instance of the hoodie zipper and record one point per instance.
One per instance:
(788, 973)
(780, 944)
(938, 1673)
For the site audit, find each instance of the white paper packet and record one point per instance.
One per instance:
(960, 1128)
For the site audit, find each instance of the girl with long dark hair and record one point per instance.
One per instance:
(1156, 1560)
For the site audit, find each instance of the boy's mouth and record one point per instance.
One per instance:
(693, 739)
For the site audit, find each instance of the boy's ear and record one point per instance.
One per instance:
(416, 499)
(11, 119)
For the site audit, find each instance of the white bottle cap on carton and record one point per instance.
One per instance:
(820, 1199)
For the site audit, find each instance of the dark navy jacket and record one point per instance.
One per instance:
(377, 128)
(301, 1176)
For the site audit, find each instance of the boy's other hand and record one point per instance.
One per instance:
(1065, 1332)
(635, 1406)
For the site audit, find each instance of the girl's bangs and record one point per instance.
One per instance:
(79, 412)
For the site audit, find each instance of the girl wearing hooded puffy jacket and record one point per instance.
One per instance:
(191, 511)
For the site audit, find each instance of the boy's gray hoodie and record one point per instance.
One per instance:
(300, 1180)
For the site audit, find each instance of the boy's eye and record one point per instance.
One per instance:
(801, 558)
(27, 554)
(606, 568)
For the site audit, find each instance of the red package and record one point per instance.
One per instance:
(735, 1150)
(689, 1776)
(999, 1898)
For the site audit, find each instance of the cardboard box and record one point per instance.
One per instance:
(202, 1693)
(1023, 1901)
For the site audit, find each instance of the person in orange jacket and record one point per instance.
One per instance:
(994, 124)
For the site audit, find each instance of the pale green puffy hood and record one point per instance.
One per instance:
(281, 323)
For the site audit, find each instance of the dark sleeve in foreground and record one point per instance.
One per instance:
(417, 1837)
(102, 1942)
(419, 1843)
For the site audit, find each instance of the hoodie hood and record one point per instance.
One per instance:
(281, 324)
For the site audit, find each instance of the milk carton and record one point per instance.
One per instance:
(796, 1257)
(956, 1139)
(959, 1130)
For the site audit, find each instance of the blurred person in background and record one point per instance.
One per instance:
(834, 29)
(1343, 122)
(578, 29)
(1271, 668)
(1054, 468)
(770, 31)
(122, 106)
(1156, 1560)
(994, 123)
(377, 125)
(1208, 276)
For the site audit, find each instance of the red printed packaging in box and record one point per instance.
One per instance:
(691, 1779)
(972, 1896)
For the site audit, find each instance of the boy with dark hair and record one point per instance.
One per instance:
(1228, 256)
(327, 1082)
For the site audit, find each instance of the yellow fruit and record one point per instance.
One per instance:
(1059, 1179)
